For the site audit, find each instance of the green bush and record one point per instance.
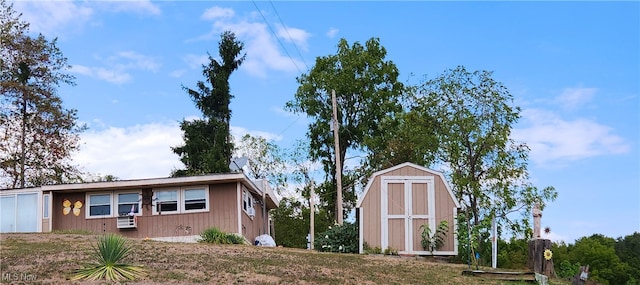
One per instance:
(216, 236)
(338, 239)
(368, 250)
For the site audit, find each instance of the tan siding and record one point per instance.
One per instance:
(444, 206)
(396, 240)
(224, 207)
(371, 215)
(419, 203)
(251, 228)
(395, 199)
(417, 233)
(222, 214)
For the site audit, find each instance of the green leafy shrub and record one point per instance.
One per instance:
(338, 239)
(390, 251)
(433, 241)
(109, 254)
(369, 250)
(216, 236)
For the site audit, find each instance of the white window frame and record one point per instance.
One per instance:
(247, 199)
(117, 203)
(87, 206)
(181, 200)
(184, 201)
(156, 203)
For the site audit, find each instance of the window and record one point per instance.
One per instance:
(99, 205)
(167, 201)
(182, 200)
(128, 204)
(195, 199)
(45, 206)
(247, 202)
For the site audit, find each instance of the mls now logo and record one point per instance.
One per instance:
(18, 277)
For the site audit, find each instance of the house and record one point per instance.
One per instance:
(397, 201)
(167, 208)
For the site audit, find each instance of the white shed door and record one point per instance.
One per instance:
(407, 203)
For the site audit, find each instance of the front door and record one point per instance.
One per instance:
(407, 203)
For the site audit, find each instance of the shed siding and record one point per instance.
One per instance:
(444, 211)
(222, 214)
(371, 215)
(371, 212)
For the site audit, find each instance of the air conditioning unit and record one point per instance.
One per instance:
(252, 212)
(127, 222)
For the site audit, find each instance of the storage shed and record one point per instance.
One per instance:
(400, 199)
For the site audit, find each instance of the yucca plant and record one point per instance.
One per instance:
(109, 253)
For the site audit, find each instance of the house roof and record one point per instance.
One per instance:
(272, 200)
(409, 164)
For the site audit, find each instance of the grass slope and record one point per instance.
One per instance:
(51, 258)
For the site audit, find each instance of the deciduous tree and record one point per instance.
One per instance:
(472, 116)
(37, 134)
(367, 90)
(266, 160)
(208, 147)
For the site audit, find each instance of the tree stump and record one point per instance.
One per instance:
(536, 261)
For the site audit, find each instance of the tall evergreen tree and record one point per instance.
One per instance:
(37, 135)
(208, 146)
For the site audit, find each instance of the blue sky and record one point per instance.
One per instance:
(573, 68)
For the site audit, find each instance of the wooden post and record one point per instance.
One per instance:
(336, 139)
(536, 261)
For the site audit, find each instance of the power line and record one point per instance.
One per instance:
(277, 38)
(284, 48)
(290, 38)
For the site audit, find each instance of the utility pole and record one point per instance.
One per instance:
(312, 210)
(338, 162)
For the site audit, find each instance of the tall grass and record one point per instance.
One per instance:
(109, 254)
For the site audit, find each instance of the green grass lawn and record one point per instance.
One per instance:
(51, 258)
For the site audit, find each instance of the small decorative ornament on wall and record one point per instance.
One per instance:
(67, 207)
(76, 208)
(66, 204)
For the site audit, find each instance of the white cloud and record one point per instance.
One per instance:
(554, 237)
(195, 61)
(134, 61)
(177, 73)
(217, 12)
(49, 17)
(297, 36)
(553, 139)
(143, 7)
(117, 67)
(239, 132)
(332, 32)
(140, 151)
(109, 75)
(52, 18)
(262, 48)
(572, 98)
